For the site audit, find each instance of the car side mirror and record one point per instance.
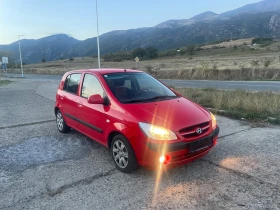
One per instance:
(96, 99)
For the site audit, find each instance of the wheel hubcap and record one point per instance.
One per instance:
(120, 154)
(59, 121)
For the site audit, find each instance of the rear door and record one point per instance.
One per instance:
(68, 98)
(92, 117)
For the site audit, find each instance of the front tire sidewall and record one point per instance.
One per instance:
(132, 161)
(61, 125)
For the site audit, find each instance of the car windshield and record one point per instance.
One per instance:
(137, 87)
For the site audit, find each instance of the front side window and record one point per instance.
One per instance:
(71, 83)
(137, 87)
(91, 86)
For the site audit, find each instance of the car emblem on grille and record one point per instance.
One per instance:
(199, 131)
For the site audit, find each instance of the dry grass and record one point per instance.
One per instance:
(217, 64)
(238, 103)
(230, 43)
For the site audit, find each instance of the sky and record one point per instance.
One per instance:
(40, 18)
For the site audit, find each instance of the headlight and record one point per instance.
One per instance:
(156, 132)
(214, 122)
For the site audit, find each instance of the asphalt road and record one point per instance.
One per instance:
(231, 85)
(41, 168)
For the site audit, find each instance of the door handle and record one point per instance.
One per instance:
(61, 97)
(80, 105)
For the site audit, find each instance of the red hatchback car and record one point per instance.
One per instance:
(141, 121)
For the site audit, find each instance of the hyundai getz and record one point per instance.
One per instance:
(139, 119)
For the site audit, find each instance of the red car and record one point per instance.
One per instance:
(141, 121)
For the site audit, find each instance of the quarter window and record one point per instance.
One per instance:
(71, 83)
(91, 86)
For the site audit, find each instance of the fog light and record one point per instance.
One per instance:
(162, 159)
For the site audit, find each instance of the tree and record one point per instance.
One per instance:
(139, 52)
(190, 50)
(43, 60)
(151, 52)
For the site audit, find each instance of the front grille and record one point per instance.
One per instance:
(190, 132)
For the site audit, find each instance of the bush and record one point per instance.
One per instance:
(71, 59)
(190, 50)
(147, 53)
(169, 53)
(267, 62)
(215, 67)
(255, 62)
(151, 53)
(138, 52)
(148, 68)
(43, 60)
(117, 57)
(262, 40)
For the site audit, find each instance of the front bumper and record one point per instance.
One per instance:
(182, 152)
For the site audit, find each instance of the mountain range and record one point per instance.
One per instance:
(261, 19)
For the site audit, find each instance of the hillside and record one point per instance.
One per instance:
(262, 6)
(237, 27)
(261, 19)
(50, 48)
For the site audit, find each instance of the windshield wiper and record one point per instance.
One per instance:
(134, 101)
(161, 98)
(143, 100)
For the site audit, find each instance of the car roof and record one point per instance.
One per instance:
(104, 70)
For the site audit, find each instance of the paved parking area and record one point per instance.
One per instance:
(43, 169)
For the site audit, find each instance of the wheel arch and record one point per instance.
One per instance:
(111, 136)
(56, 109)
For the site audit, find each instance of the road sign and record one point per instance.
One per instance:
(136, 59)
(5, 60)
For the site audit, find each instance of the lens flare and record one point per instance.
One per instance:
(162, 159)
(169, 117)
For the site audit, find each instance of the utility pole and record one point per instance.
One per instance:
(20, 54)
(98, 49)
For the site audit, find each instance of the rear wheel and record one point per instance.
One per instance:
(61, 125)
(123, 154)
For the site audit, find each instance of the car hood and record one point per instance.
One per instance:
(173, 114)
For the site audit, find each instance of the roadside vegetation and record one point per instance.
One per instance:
(4, 82)
(240, 104)
(242, 59)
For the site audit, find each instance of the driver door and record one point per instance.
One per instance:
(92, 117)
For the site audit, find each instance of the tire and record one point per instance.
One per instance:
(123, 155)
(61, 125)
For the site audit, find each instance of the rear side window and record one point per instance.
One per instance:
(91, 86)
(71, 83)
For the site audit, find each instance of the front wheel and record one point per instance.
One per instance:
(61, 125)
(123, 155)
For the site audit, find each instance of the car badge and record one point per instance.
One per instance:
(199, 131)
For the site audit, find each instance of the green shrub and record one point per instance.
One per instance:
(262, 40)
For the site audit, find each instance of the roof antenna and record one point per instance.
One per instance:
(98, 49)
